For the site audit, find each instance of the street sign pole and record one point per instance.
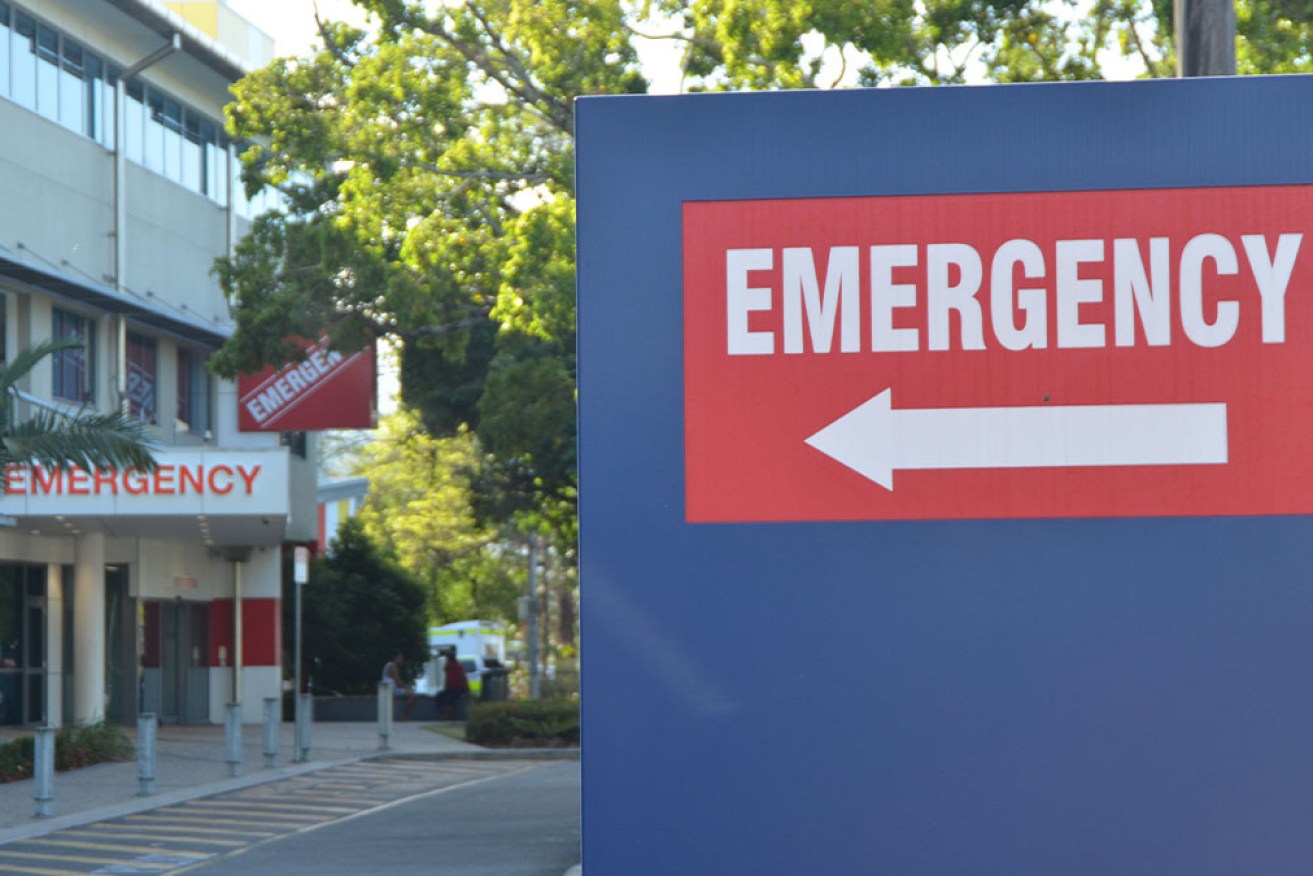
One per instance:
(300, 575)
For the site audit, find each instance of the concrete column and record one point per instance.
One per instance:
(89, 627)
(54, 645)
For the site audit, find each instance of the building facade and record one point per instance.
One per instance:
(120, 592)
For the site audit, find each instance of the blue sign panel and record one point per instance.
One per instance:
(985, 656)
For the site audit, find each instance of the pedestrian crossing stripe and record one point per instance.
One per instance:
(110, 831)
(80, 859)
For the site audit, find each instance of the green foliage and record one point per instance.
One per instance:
(358, 607)
(428, 174)
(76, 745)
(420, 510)
(82, 744)
(524, 724)
(16, 758)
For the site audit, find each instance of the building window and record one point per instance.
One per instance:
(43, 70)
(141, 378)
(193, 393)
(75, 375)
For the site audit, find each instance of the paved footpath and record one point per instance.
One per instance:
(190, 765)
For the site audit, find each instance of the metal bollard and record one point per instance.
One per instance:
(146, 730)
(232, 735)
(43, 769)
(306, 710)
(384, 717)
(298, 707)
(270, 731)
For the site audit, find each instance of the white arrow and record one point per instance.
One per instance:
(874, 440)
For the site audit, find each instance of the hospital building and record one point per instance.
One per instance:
(123, 592)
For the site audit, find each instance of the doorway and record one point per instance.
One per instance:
(22, 644)
(176, 661)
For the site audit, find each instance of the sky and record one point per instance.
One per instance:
(292, 22)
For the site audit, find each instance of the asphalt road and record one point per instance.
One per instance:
(525, 823)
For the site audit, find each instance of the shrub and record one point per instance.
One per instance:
(76, 745)
(527, 724)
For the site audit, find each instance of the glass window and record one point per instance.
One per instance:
(73, 112)
(154, 151)
(192, 155)
(141, 378)
(4, 49)
(74, 367)
(173, 140)
(22, 45)
(193, 393)
(47, 72)
(105, 110)
(95, 99)
(134, 118)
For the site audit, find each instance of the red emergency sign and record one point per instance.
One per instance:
(1058, 354)
(325, 390)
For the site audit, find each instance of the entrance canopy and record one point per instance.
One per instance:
(216, 496)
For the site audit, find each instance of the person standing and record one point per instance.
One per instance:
(393, 678)
(455, 687)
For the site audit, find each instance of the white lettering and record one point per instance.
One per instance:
(1034, 332)
(887, 296)
(1072, 292)
(946, 300)
(1272, 276)
(802, 290)
(742, 299)
(1133, 292)
(943, 295)
(1197, 329)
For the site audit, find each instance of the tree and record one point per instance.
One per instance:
(358, 608)
(56, 440)
(427, 170)
(419, 509)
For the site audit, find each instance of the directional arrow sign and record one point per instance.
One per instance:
(1120, 353)
(874, 440)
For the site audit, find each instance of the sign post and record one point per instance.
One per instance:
(300, 577)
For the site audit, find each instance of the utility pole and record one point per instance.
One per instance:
(1205, 37)
(531, 634)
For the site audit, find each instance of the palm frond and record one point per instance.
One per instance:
(88, 441)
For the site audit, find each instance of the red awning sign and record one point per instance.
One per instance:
(326, 390)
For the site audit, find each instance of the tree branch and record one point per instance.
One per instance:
(532, 177)
(329, 44)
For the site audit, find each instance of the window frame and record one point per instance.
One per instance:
(142, 360)
(73, 366)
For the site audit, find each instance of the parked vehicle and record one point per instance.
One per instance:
(479, 645)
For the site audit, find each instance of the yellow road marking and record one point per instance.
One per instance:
(169, 828)
(110, 833)
(52, 840)
(38, 871)
(277, 807)
(263, 816)
(82, 859)
(183, 818)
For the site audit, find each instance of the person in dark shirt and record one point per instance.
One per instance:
(455, 687)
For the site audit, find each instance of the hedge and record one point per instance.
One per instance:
(76, 745)
(524, 724)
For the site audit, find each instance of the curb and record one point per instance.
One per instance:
(544, 754)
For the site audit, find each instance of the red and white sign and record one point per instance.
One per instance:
(1069, 354)
(326, 390)
(184, 482)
